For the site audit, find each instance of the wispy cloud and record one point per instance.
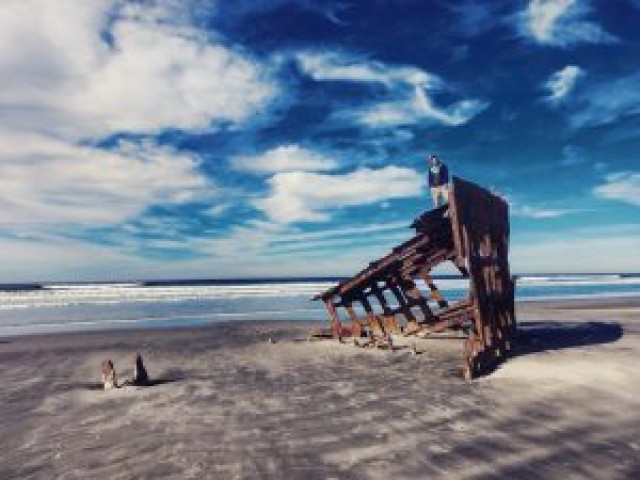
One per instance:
(540, 213)
(561, 83)
(622, 186)
(308, 197)
(284, 158)
(88, 186)
(407, 91)
(415, 109)
(330, 65)
(607, 101)
(561, 23)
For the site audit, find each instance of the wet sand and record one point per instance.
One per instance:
(226, 403)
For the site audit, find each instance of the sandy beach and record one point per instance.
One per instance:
(226, 403)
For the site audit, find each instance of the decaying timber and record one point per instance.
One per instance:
(472, 231)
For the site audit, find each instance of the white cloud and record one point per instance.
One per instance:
(47, 181)
(561, 83)
(303, 196)
(607, 101)
(58, 75)
(285, 158)
(560, 23)
(325, 66)
(623, 186)
(74, 72)
(406, 100)
(417, 109)
(539, 213)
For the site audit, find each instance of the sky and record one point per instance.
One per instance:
(269, 138)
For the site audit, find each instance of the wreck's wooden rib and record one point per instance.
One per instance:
(472, 231)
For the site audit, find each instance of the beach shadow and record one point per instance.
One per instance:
(537, 337)
(171, 376)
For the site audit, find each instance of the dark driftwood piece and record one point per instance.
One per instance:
(140, 375)
(472, 231)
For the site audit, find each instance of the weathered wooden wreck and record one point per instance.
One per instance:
(472, 232)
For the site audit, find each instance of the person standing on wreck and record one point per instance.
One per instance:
(438, 181)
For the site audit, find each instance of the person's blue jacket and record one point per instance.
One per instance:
(440, 178)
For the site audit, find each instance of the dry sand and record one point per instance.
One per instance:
(228, 404)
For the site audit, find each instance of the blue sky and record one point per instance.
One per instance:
(187, 139)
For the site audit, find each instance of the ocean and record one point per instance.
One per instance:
(56, 307)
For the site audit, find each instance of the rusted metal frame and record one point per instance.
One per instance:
(476, 342)
(484, 280)
(474, 217)
(451, 319)
(364, 279)
(389, 321)
(336, 325)
(507, 285)
(377, 292)
(488, 267)
(435, 293)
(404, 308)
(500, 276)
(375, 325)
(375, 269)
(414, 297)
(501, 291)
(428, 219)
(378, 270)
(356, 325)
(420, 261)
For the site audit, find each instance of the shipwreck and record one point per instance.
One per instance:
(397, 295)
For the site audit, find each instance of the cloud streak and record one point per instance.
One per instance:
(561, 83)
(607, 101)
(407, 92)
(561, 23)
(284, 158)
(623, 187)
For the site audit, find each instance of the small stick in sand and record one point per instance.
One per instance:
(140, 376)
(109, 380)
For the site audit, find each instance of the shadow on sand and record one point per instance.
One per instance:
(539, 337)
(171, 376)
(536, 337)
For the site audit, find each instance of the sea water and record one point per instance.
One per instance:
(57, 307)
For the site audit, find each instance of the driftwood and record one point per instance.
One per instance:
(140, 375)
(109, 379)
(472, 231)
